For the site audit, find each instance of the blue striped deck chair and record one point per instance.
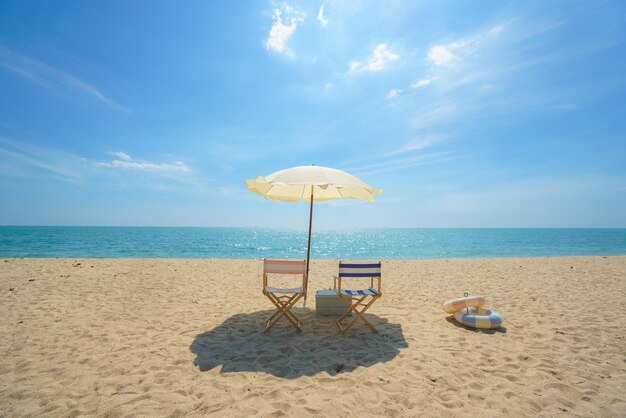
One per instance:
(356, 299)
(284, 298)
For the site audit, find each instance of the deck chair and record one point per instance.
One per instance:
(284, 299)
(356, 299)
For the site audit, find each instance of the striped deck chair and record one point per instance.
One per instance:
(356, 299)
(284, 299)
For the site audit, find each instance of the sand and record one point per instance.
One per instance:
(163, 337)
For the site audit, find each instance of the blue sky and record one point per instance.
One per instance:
(467, 114)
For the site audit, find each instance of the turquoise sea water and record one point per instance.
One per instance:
(385, 243)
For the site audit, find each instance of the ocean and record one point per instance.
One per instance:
(356, 244)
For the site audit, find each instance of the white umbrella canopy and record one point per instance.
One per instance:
(311, 184)
(300, 183)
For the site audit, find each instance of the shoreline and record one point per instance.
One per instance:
(183, 336)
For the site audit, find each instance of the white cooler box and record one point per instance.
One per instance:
(328, 303)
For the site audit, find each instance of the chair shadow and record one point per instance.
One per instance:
(501, 330)
(238, 345)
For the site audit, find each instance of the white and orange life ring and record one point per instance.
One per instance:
(454, 305)
(470, 311)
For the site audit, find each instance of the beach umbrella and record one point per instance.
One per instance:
(311, 184)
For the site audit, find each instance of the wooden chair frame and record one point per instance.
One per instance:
(356, 301)
(284, 299)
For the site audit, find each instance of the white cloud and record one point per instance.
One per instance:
(129, 163)
(393, 94)
(51, 78)
(20, 159)
(381, 57)
(448, 55)
(421, 83)
(321, 18)
(282, 30)
(121, 155)
(441, 56)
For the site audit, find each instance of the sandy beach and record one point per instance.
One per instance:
(172, 337)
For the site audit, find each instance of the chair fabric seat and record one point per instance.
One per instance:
(283, 290)
(364, 292)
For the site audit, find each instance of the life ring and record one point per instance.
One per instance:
(483, 318)
(455, 305)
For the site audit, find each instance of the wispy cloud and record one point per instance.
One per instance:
(52, 78)
(381, 58)
(402, 163)
(393, 94)
(410, 154)
(496, 30)
(448, 55)
(442, 55)
(121, 155)
(21, 159)
(421, 83)
(24, 160)
(126, 162)
(321, 18)
(173, 176)
(285, 22)
(468, 79)
(420, 143)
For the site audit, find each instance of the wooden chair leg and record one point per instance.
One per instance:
(359, 315)
(284, 309)
(281, 311)
(295, 321)
(277, 302)
(274, 319)
(291, 317)
(350, 306)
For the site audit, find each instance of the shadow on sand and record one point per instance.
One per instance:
(501, 330)
(239, 344)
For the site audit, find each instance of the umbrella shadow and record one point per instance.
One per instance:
(239, 345)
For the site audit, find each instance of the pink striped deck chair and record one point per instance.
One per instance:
(284, 299)
(356, 299)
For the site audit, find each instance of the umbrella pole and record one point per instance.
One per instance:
(308, 247)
